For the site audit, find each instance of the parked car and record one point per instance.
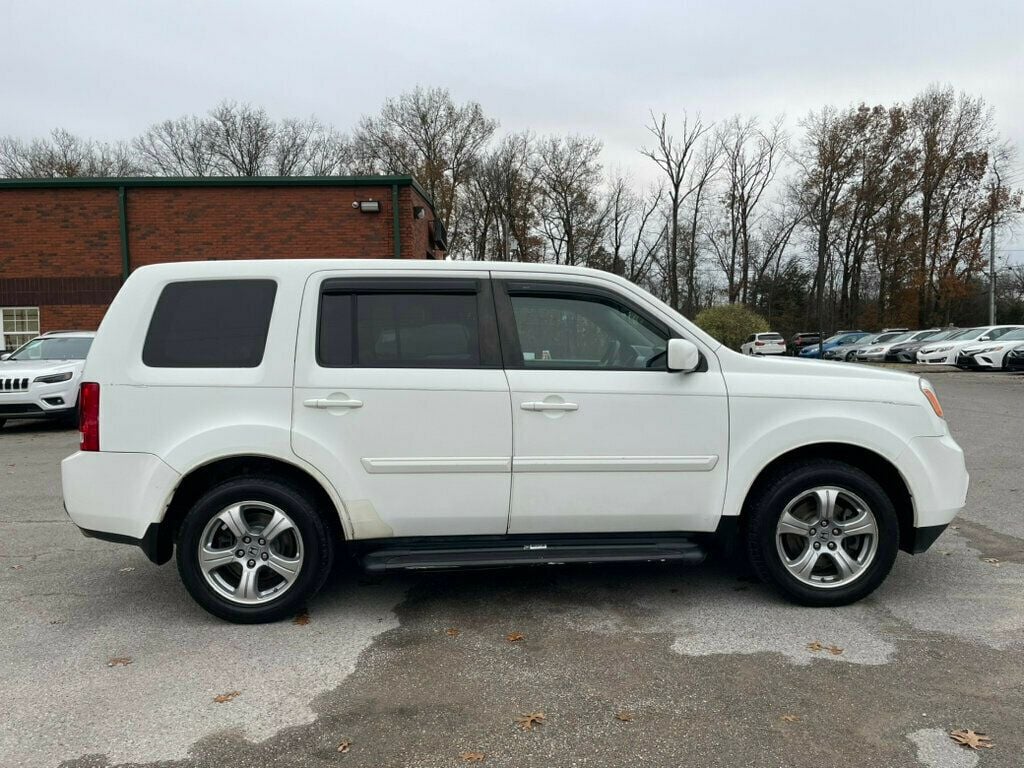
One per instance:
(261, 419)
(764, 344)
(874, 353)
(828, 349)
(801, 340)
(849, 352)
(1014, 360)
(39, 380)
(945, 352)
(989, 356)
(906, 352)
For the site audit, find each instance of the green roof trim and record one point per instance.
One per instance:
(130, 182)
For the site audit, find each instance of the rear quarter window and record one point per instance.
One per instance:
(210, 324)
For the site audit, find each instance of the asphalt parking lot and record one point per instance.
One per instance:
(106, 660)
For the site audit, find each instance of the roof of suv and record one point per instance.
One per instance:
(73, 334)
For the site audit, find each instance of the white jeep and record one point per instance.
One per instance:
(263, 418)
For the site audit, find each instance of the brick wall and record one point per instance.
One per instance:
(60, 249)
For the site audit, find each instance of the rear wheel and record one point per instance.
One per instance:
(823, 533)
(253, 550)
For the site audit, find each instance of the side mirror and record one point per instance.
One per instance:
(4, 355)
(683, 356)
(986, 337)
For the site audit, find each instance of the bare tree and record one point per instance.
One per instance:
(425, 133)
(63, 154)
(241, 139)
(568, 175)
(179, 147)
(673, 156)
(635, 233)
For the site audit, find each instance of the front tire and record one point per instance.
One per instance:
(254, 550)
(822, 533)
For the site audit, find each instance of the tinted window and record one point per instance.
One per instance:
(210, 324)
(399, 330)
(585, 332)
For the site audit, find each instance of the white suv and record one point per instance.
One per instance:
(264, 418)
(764, 344)
(39, 380)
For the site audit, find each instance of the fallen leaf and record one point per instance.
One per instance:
(835, 650)
(955, 527)
(515, 637)
(224, 698)
(472, 757)
(453, 632)
(345, 745)
(17, 567)
(790, 718)
(972, 739)
(302, 619)
(991, 560)
(626, 717)
(526, 722)
(120, 661)
(125, 570)
(815, 646)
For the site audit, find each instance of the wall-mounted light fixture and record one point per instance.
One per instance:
(367, 206)
(419, 212)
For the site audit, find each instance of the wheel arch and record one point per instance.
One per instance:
(196, 481)
(881, 469)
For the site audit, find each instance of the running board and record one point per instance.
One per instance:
(426, 557)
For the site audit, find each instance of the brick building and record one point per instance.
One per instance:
(66, 245)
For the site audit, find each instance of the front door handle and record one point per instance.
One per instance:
(542, 406)
(326, 402)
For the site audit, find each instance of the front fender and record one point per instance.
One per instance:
(757, 438)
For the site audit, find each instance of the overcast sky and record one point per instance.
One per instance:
(109, 69)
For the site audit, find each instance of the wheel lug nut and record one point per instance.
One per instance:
(240, 553)
(813, 531)
(265, 556)
(246, 539)
(831, 545)
(252, 563)
(262, 542)
(836, 531)
(817, 545)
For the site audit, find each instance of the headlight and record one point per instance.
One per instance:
(872, 350)
(992, 349)
(936, 349)
(54, 378)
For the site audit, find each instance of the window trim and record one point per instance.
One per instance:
(512, 353)
(4, 332)
(487, 326)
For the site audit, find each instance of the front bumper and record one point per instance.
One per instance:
(39, 401)
(936, 474)
(937, 358)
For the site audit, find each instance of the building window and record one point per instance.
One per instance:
(18, 325)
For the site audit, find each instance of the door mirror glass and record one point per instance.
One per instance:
(683, 356)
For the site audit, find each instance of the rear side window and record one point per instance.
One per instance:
(210, 324)
(405, 329)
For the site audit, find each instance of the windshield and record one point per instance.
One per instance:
(769, 336)
(891, 336)
(901, 337)
(938, 335)
(965, 334)
(55, 348)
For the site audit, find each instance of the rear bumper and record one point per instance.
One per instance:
(117, 496)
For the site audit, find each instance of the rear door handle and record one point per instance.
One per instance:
(326, 402)
(542, 406)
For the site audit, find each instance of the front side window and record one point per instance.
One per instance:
(210, 324)
(399, 330)
(585, 332)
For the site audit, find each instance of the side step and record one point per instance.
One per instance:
(494, 555)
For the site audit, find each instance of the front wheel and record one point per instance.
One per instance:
(253, 550)
(823, 533)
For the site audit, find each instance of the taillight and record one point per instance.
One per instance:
(758, 343)
(89, 415)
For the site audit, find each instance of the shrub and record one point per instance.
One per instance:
(731, 324)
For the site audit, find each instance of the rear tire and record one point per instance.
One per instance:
(254, 550)
(815, 565)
